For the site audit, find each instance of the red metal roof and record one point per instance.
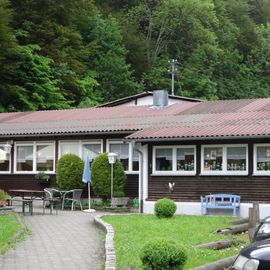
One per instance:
(181, 120)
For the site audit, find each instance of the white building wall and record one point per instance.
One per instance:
(194, 208)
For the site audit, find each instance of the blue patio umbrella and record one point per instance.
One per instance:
(87, 180)
(86, 171)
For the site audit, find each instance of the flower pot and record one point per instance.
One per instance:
(43, 181)
(119, 201)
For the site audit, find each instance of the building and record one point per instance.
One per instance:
(202, 147)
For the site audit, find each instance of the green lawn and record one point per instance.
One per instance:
(8, 228)
(133, 231)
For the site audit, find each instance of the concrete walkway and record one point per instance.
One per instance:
(65, 241)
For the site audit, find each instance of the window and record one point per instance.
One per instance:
(224, 159)
(126, 154)
(92, 150)
(185, 159)
(69, 148)
(81, 148)
(4, 160)
(262, 159)
(164, 160)
(45, 157)
(178, 160)
(34, 157)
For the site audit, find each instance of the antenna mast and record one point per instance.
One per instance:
(172, 71)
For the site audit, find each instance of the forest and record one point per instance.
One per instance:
(80, 53)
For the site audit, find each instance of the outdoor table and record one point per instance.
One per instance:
(27, 196)
(60, 191)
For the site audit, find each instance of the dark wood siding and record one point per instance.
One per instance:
(132, 185)
(190, 188)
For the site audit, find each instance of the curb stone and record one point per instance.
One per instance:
(110, 261)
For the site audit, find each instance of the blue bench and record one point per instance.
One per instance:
(220, 201)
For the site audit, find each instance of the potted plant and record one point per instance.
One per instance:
(119, 199)
(42, 178)
(3, 198)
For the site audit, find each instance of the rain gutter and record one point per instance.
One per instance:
(135, 147)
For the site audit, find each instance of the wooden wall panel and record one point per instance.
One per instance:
(191, 188)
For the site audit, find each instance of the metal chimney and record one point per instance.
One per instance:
(160, 98)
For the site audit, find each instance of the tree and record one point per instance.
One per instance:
(57, 27)
(35, 76)
(9, 60)
(69, 172)
(108, 60)
(101, 176)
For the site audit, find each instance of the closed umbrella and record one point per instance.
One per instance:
(87, 180)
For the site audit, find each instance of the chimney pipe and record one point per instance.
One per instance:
(160, 98)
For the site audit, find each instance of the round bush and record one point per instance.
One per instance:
(165, 208)
(161, 254)
(69, 172)
(101, 177)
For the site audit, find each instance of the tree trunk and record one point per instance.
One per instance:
(239, 221)
(218, 244)
(234, 229)
(217, 265)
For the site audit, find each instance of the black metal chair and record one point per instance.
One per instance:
(74, 196)
(50, 200)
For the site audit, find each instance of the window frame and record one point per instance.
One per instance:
(81, 143)
(174, 170)
(34, 144)
(255, 171)
(130, 154)
(224, 170)
(2, 144)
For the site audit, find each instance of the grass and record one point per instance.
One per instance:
(9, 226)
(133, 231)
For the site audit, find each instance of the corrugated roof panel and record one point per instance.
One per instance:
(186, 119)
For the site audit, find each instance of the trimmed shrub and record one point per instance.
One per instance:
(161, 254)
(165, 208)
(3, 195)
(101, 176)
(69, 172)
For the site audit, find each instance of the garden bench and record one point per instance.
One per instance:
(25, 202)
(220, 201)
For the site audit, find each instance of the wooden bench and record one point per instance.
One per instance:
(220, 201)
(25, 202)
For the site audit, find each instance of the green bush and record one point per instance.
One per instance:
(161, 254)
(69, 172)
(118, 194)
(101, 176)
(165, 208)
(3, 195)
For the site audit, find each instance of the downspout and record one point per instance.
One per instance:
(135, 147)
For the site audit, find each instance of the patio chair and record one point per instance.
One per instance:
(50, 200)
(73, 196)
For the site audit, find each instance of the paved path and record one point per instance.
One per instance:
(65, 241)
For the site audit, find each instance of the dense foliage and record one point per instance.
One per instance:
(69, 172)
(62, 54)
(101, 177)
(165, 208)
(3, 195)
(163, 255)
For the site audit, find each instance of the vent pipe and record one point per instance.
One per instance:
(160, 98)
